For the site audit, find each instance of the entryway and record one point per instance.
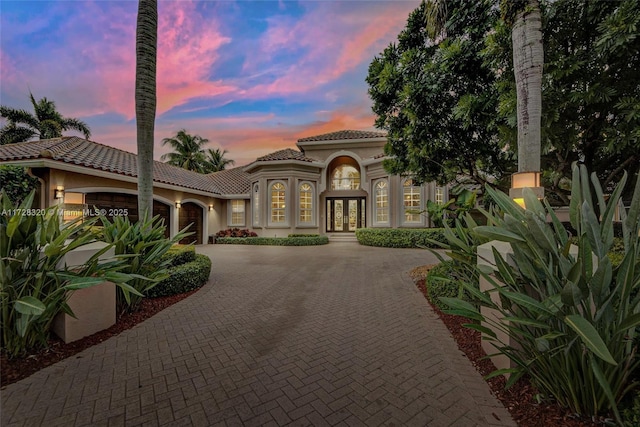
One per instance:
(345, 214)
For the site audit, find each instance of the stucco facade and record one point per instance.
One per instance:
(332, 183)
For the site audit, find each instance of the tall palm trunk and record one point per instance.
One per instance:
(146, 54)
(528, 59)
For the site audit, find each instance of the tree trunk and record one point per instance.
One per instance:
(146, 53)
(528, 59)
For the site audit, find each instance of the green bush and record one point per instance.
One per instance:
(400, 237)
(303, 235)
(274, 241)
(35, 285)
(143, 246)
(183, 278)
(571, 322)
(443, 281)
(179, 254)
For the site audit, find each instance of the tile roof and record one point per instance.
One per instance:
(344, 134)
(286, 154)
(75, 150)
(232, 181)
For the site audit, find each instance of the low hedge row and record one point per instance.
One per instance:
(400, 237)
(180, 254)
(274, 241)
(184, 277)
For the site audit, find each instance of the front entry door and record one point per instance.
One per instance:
(345, 214)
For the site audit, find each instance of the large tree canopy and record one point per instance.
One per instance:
(45, 122)
(433, 94)
(448, 101)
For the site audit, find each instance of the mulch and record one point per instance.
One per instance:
(520, 399)
(13, 370)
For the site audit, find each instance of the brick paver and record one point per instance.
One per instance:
(329, 335)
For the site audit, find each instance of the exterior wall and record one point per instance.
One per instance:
(74, 182)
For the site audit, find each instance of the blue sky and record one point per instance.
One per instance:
(252, 77)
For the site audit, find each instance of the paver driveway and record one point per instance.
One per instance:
(327, 335)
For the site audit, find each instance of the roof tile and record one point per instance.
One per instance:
(344, 134)
(286, 154)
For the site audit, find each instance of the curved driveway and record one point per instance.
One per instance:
(326, 335)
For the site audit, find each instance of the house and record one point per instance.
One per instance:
(332, 183)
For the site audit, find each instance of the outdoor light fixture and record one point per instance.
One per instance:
(210, 208)
(178, 205)
(522, 180)
(59, 193)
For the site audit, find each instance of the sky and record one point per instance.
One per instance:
(251, 76)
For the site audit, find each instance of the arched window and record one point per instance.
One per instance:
(256, 205)
(382, 201)
(345, 177)
(306, 203)
(278, 213)
(412, 201)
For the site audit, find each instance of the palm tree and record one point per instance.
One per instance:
(528, 59)
(188, 151)
(46, 122)
(145, 98)
(216, 162)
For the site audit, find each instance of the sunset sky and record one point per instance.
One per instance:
(252, 77)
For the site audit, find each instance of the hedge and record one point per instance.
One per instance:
(274, 241)
(439, 284)
(400, 237)
(183, 278)
(180, 254)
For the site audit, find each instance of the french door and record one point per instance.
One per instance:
(345, 214)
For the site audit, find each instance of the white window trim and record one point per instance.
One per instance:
(230, 213)
(403, 208)
(374, 203)
(287, 207)
(313, 206)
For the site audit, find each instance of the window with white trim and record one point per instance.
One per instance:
(305, 197)
(440, 195)
(278, 196)
(237, 213)
(411, 201)
(256, 205)
(382, 201)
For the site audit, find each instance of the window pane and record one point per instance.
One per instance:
(412, 201)
(278, 203)
(382, 202)
(237, 212)
(345, 177)
(306, 203)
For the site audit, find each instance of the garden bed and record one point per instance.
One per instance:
(520, 400)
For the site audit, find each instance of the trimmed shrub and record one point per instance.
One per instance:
(275, 241)
(183, 278)
(303, 235)
(442, 281)
(180, 254)
(400, 237)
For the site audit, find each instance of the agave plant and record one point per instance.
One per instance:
(34, 282)
(571, 317)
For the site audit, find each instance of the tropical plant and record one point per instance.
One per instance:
(145, 100)
(215, 160)
(46, 122)
(188, 151)
(463, 202)
(571, 317)
(142, 245)
(35, 281)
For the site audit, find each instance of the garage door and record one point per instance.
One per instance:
(116, 202)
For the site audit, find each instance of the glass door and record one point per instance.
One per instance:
(345, 214)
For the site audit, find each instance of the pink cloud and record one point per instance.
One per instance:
(344, 41)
